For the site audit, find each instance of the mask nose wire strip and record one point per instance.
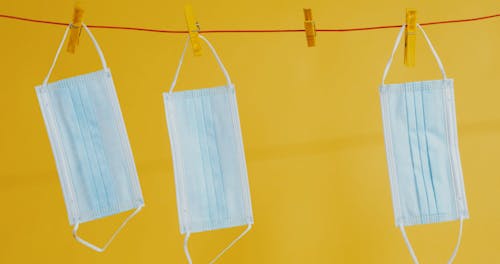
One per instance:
(455, 251)
(188, 256)
(458, 242)
(96, 248)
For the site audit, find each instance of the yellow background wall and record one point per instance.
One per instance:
(311, 124)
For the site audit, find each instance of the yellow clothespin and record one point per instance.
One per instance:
(410, 36)
(76, 28)
(310, 28)
(193, 29)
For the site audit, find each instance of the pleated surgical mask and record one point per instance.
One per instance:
(209, 162)
(90, 146)
(422, 151)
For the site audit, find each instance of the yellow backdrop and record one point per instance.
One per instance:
(310, 118)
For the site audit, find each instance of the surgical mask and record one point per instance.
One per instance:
(422, 151)
(209, 163)
(90, 145)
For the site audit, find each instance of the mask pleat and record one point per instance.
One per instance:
(202, 195)
(447, 195)
(426, 160)
(242, 205)
(57, 138)
(121, 188)
(90, 139)
(206, 157)
(213, 145)
(414, 152)
(85, 172)
(109, 201)
(77, 157)
(422, 150)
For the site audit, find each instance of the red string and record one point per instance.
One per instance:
(33, 20)
(249, 30)
(460, 20)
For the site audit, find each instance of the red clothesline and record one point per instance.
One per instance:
(249, 30)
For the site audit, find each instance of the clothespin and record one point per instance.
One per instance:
(193, 29)
(76, 28)
(310, 28)
(410, 36)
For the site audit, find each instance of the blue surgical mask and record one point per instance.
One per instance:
(422, 151)
(90, 145)
(209, 163)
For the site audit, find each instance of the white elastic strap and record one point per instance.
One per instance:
(396, 44)
(436, 56)
(186, 249)
(408, 245)
(232, 244)
(99, 51)
(458, 242)
(97, 47)
(212, 49)
(455, 251)
(57, 55)
(101, 249)
(179, 66)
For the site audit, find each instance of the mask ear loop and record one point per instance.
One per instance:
(396, 44)
(453, 255)
(58, 52)
(458, 242)
(46, 80)
(231, 244)
(101, 249)
(212, 49)
(434, 52)
(186, 249)
(188, 256)
(408, 245)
